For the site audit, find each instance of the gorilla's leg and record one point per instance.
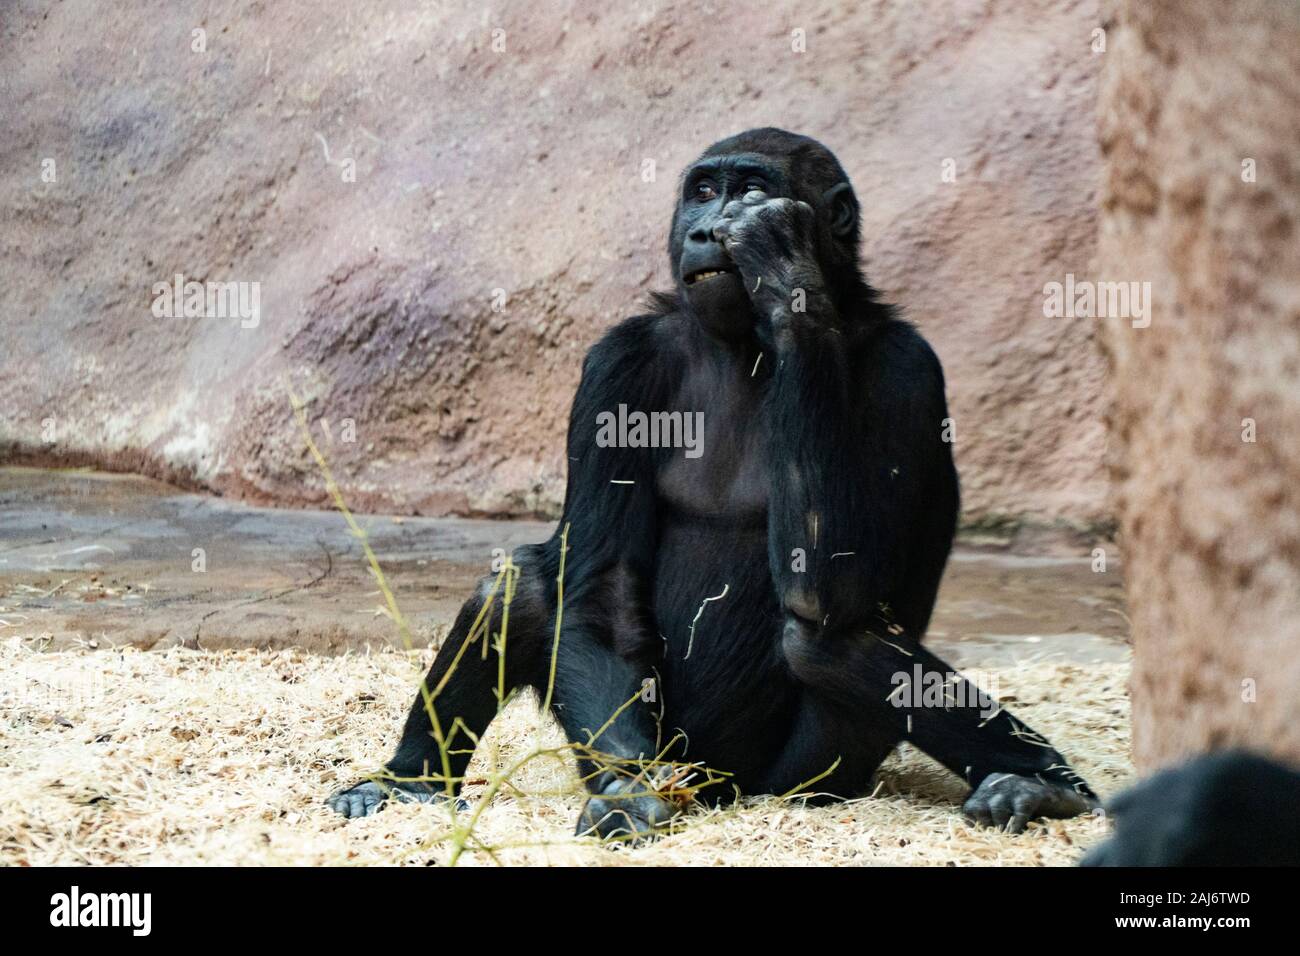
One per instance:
(593, 691)
(597, 698)
(830, 751)
(899, 691)
(461, 689)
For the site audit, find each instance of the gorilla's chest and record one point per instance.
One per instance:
(714, 600)
(727, 479)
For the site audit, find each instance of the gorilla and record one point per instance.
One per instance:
(756, 608)
(1226, 808)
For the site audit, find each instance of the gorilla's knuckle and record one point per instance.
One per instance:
(797, 635)
(800, 649)
(742, 226)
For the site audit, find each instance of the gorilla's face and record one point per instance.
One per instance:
(706, 277)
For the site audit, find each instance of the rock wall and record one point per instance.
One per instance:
(389, 171)
(1200, 131)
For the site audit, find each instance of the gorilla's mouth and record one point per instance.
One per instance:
(704, 275)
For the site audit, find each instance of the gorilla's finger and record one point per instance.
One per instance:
(734, 209)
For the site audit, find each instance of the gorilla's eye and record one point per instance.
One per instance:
(704, 192)
(754, 186)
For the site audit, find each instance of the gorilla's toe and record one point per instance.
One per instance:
(368, 798)
(626, 812)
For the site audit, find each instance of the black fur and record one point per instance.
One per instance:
(1221, 809)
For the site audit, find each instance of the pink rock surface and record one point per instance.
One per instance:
(525, 170)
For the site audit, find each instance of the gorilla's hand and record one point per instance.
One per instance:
(1009, 801)
(367, 798)
(773, 243)
(626, 810)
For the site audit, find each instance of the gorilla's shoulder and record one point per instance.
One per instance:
(898, 346)
(637, 340)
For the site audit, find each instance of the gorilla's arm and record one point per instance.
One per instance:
(861, 478)
(610, 513)
(863, 503)
(609, 642)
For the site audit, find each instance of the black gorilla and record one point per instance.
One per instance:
(1230, 808)
(776, 586)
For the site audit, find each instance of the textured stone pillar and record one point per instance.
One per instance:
(1200, 130)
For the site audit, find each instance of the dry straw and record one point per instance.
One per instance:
(180, 757)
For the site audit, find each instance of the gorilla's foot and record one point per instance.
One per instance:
(368, 797)
(628, 811)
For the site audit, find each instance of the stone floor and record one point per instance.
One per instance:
(100, 560)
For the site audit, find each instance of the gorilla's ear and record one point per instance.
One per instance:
(842, 209)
